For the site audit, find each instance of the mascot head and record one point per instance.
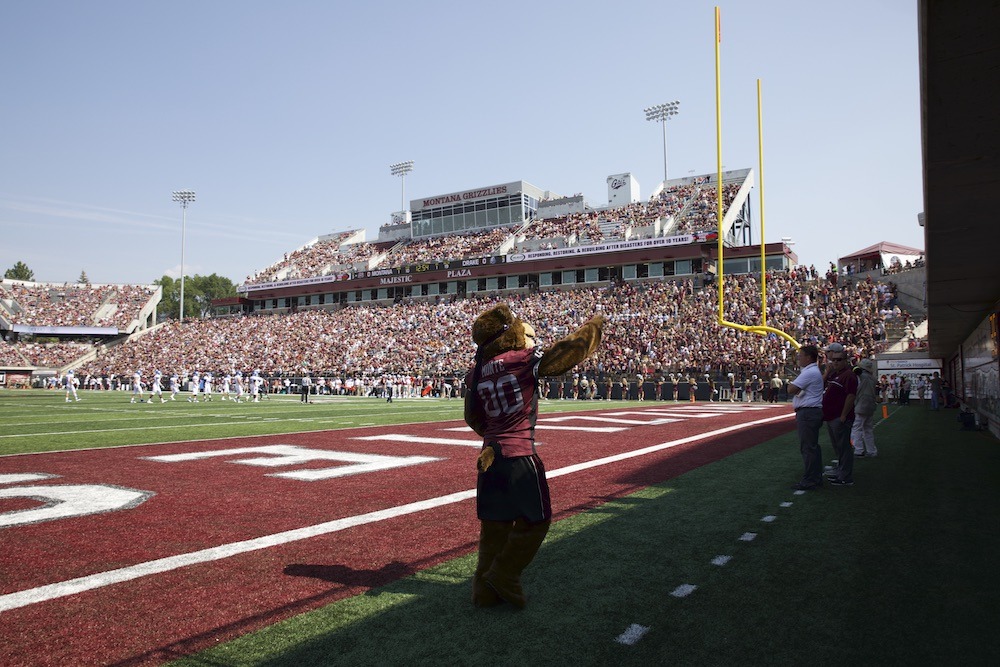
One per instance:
(497, 331)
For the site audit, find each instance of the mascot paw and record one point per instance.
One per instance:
(485, 459)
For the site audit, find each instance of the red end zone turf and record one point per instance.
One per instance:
(203, 548)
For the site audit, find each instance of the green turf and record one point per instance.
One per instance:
(42, 421)
(898, 570)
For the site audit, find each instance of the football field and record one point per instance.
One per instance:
(344, 532)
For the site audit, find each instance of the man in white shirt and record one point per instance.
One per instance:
(807, 398)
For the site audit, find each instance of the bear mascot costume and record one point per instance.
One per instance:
(501, 405)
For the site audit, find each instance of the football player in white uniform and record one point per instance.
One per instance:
(157, 388)
(70, 382)
(255, 381)
(137, 386)
(238, 385)
(195, 379)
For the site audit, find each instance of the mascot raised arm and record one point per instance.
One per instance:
(501, 405)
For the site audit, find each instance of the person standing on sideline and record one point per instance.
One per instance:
(807, 399)
(306, 383)
(775, 389)
(838, 412)
(922, 390)
(935, 391)
(863, 432)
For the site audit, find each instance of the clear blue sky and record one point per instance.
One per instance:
(285, 116)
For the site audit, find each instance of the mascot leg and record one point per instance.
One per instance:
(492, 538)
(523, 543)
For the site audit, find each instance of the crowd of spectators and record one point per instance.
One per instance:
(653, 328)
(312, 259)
(701, 209)
(449, 247)
(567, 228)
(324, 257)
(51, 355)
(129, 300)
(875, 264)
(695, 204)
(42, 304)
(10, 357)
(899, 267)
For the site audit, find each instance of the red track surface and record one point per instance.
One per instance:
(206, 503)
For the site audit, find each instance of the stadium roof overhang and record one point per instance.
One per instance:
(959, 59)
(883, 248)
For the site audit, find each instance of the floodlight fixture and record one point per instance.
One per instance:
(401, 169)
(661, 113)
(183, 197)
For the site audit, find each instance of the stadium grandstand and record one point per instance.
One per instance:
(47, 327)
(354, 312)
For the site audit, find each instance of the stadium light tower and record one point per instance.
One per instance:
(401, 169)
(184, 197)
(660, 113)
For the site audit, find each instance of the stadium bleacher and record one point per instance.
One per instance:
(654, 328)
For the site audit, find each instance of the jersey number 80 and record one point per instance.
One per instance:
(500, 396)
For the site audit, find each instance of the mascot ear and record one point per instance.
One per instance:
(529, 334)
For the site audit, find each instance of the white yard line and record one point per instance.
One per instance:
(632, 634)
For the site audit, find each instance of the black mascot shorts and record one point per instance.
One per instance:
(513, 488)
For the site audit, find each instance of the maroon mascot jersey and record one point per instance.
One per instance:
(508, 398)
